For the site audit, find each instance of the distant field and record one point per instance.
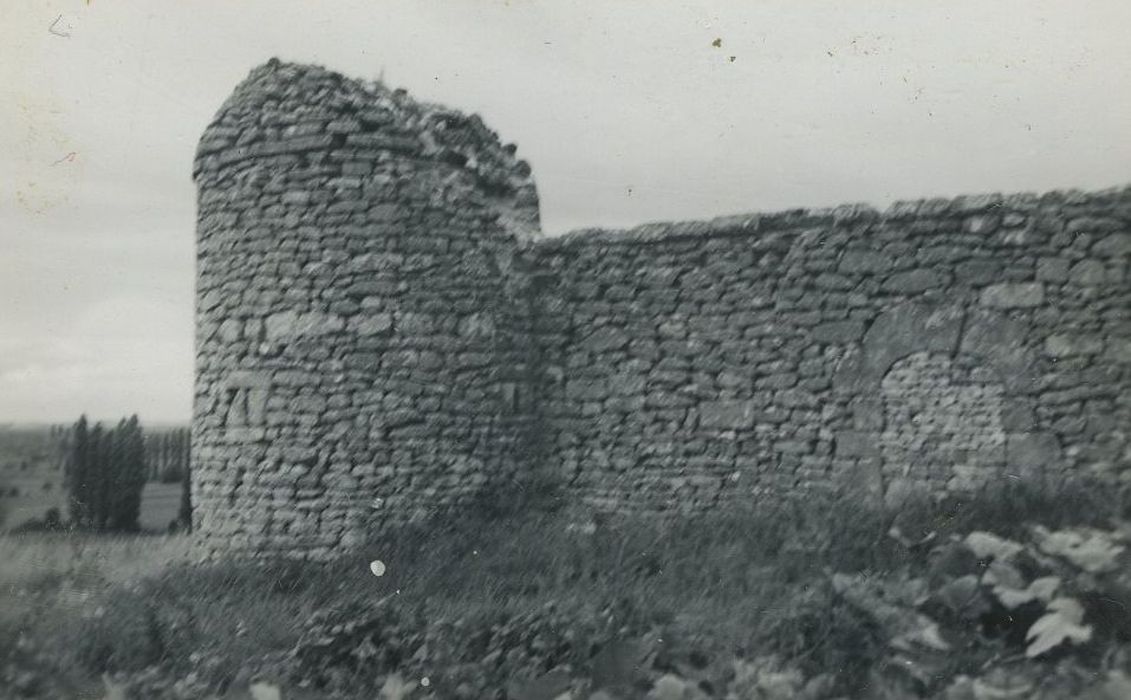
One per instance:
(159, 505)
(31, 479)
(31, 482)
(37, 495)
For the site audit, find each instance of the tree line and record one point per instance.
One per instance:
(105, 471)
(168, 454)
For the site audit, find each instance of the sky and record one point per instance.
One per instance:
(628, 112)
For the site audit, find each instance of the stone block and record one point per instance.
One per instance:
(1113, 245)
(298, 198)
(838, 332)
(244, 434)
(1052, 269)
(867, 413)
(290, 324)
(864, 262)
(981, 224)
(1017, 416)
(793, 447)
(1064, 345)
(780, 380)
(726, 415)
(477, 325)
(246, 378)
(795, 398)
(1001, 341)
(1031, 453)
(857, 444)
(1010, 295)
(373, 324)
(1094, 224)
(1087, 273)
(978, 271)
(230, 330)
(257, 406)
(606, 338)
(1118, 350)
(914, 281)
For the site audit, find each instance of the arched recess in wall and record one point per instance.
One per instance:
(941, 398)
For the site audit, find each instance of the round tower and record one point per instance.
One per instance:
(360, 352)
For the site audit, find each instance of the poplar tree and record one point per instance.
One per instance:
(106, 471)
(77, 473)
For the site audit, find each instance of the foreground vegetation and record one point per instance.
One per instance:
(1020, 593)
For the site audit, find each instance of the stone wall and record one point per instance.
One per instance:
(361, 347)
(383, 334)
(943, 344)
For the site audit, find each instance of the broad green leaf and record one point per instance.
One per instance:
(926, 635)
(1001, 573)
(1041, 589)
(988, 546)
(1091, 550)
(396, 689)
(670, 687)
(1061, 624)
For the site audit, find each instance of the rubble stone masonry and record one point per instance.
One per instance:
(383, 335)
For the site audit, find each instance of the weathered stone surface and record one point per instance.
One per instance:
(982, 224)
(978, 271)
(1119, 349)
(838, 332)
(379, 320)
(607, 338)
(897, 333)
(913, 281)
(863, 261)
(1052, 269)
(373, 324)
(854, 443)
(1065, 345)
(1030, 453)
(1000, 342)
(290, 324)
(1017, 416)
(726, 415)
(230, 330)
(1113, 245)
(1087, 273)
(1013, 295)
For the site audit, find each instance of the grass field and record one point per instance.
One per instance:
(31, 483)
(746, 584)
(160, 504)
(31, 479)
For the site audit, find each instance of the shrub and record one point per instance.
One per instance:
(789, 579)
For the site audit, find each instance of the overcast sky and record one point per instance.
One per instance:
(627, 111)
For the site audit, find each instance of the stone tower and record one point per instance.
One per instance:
(359, 354)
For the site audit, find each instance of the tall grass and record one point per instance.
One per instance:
(752, 580)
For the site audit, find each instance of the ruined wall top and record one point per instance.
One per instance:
(313, 113)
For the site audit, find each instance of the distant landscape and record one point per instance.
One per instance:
(32, 474)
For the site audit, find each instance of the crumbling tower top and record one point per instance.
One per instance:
(314, 113)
